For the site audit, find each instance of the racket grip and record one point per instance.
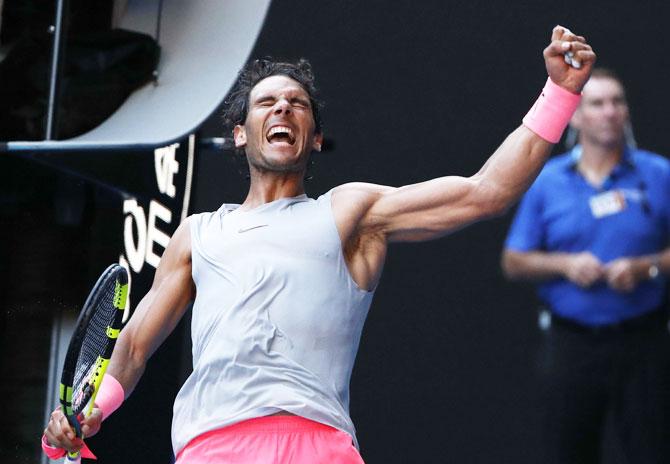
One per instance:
(74, 459)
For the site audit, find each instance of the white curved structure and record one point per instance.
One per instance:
(204, 43)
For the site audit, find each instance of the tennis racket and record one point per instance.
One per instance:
(91, 346)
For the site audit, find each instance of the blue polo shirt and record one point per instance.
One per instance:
(629, 215)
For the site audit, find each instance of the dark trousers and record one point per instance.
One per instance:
(586, 375)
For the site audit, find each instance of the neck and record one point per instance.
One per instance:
(269, 186)
(597, 162)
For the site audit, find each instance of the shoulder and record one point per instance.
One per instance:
(177, 254)
(652, 167)
(358, 195)
(198, 221)
(184, 227)
(651, 160)
(352, 205)
(180, 242)
(354, 200)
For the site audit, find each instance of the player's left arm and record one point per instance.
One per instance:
(369, 216)
(434, 208)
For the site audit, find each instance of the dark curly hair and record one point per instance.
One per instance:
(236, 104)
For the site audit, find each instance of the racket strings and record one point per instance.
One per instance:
(94, 342)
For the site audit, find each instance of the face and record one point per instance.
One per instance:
(603, 113)
(279, 132)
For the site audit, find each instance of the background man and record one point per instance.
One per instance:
(593, 232)
(282, 283)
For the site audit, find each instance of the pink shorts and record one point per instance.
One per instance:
(272, 440)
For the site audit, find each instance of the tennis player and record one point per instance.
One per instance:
(282, 283)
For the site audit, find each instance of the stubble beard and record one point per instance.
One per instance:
(265, 166)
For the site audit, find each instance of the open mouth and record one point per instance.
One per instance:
(280, 134)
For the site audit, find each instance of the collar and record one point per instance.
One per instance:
(625, 164)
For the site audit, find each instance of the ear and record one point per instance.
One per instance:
(317, 142)
(240, 136)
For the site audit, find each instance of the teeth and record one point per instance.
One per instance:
(280, 129)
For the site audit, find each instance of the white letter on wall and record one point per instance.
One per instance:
(135, 253)
(155, 235)
(166, 167)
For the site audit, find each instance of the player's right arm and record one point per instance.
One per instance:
(157, 314)
(154, 318)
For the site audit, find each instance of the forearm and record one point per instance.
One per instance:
(651, 265)
(535, 266)
(514, 166)
(516, 163)
(126, 366)
(662, 260)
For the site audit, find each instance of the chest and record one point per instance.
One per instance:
(618, 216)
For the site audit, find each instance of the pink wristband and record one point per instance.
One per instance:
(110, 396)
(552, 111)
(51, 451)
(57, 453)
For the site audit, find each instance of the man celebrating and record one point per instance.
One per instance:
(593, 230)
(282, 283)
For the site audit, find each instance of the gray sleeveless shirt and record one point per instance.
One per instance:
(276, 321)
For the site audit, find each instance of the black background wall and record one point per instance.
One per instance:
(413, 90)
(419, 89)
